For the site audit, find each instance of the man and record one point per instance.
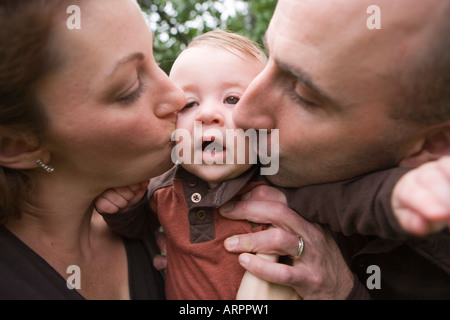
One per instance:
(349, 100)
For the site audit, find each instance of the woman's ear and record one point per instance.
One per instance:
(434, 144)
(19, 151)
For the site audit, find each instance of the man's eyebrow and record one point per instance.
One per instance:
(134, 56)
(307, 81)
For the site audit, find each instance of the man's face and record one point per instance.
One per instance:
(328, 87)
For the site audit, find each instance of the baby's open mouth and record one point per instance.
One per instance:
(213, 150)
(210, 144)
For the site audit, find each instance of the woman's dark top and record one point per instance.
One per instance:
(25, 275)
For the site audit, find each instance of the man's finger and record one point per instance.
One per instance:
(265, 193)
(160, 262)
(272, 271)
(268, 212)
(271, 241)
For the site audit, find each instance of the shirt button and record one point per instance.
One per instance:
(201, 215)
(196, 197)
(192, 182)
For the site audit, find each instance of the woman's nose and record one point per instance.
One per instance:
(172, 98)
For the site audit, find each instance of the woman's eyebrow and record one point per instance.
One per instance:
(134, 56)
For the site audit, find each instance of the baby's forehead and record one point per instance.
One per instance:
(216, 59)
(211, 47)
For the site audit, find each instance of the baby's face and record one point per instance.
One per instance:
(213, 80)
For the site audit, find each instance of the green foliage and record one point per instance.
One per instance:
(176, 22)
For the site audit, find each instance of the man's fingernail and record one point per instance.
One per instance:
(231, 243)
(227, 207)
(244, 259)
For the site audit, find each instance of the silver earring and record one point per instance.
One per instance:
(44, 166)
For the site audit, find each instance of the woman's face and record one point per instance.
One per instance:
(111, 109)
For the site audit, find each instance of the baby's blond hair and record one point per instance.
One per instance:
(230, 41)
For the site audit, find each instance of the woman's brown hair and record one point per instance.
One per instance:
(25, 59)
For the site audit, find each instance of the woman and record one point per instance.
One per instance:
(81, 111)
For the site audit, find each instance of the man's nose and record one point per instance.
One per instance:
(257, 105)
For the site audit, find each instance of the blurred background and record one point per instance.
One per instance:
(176, 22)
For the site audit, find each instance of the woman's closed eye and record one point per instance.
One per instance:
(133, 96)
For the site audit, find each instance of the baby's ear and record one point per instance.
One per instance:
(19, 150)
(434, 144)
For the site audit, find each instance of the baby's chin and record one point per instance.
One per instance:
(215, 174)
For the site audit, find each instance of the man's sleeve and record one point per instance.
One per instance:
(361, 205)
(359, 291)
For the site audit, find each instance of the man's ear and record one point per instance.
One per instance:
(433, 144)
(19, 150)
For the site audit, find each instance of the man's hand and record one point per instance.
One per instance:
(319, 273)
